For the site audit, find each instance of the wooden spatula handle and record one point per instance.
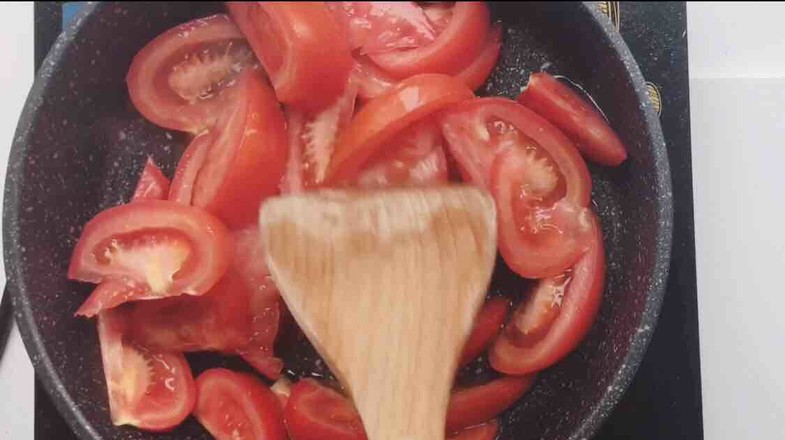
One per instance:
(386, 286)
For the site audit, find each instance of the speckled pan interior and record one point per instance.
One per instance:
(80, 146)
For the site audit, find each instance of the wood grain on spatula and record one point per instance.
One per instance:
(386, 286)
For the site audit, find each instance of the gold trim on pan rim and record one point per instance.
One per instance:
(612, 10)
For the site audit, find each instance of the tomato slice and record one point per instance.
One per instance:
(246, 161)
(315, 412)
(477, 72)
(416, 158)
(439, 14)
(151, 390)
(487, 325)
(178, 80)
(475, 405)
(282, 389)
(304, 51)
(371, 81)
(153, 248)
(312, 137)
(381, 119)
(580, 120)
(452, 50)
(152, 183)
(375, 27)
(182, 188)
(237, 406)
(579, 306)
(486, 431)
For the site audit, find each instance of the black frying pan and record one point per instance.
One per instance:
(80, 146)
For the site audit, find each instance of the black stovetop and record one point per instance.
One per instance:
(664, 399)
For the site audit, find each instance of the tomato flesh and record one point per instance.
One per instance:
(487, 325)
(579, 119)
(477, 72)
(182, 188)
(372, 81)
(381, 119)
(315, 412)
(152, 183)
(155, 248)
(147, 389)
(180, 79)
(246, 161)
(303, 49)
(579, 306)
(375, 27)
(479, 404)
(237, 406)
(486, 431)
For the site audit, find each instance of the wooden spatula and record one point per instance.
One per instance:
(386, 286)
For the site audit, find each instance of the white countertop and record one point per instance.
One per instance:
(737, 94)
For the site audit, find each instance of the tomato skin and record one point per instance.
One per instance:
(150, 390)
(453, 49)
(562, 106)
(182, 187)
(579, 309)
(487, 325)
(237, 406)
(192, 232)
(479, 404)
(152, 183)
(149, 77)
(304, 51)
(315, 412)
(246, 161)
(381, 119)
(477, 72)
(486, 431)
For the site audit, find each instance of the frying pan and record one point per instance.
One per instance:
(80, 145)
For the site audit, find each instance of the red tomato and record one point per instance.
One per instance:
(219, 320)
(580, 303)
(312, 137)
(486, 431)
(439, 14)
(182, 188)
(475, 74)
(416, 158)
(580, 120)
(315, 412)
(282, 389)
(152, 183)
(487, 324)
(151, 249)
(452, 50)
(178, 80)
(479, 404)
(237, 406)
(372, 81)
(304, 51)
(384, 118)
(151, 390)
(247, 158)
(375, 27)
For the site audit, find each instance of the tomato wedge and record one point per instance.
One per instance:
(182, 188)
(315, 412)
(580, 302)
(282, 389)
(486, 431)
(246, 161)
(579, 119)
(372, 81)
(237, 406)
(375, 27)
(452, 50)
(479, 404)
(154, 248)
(312, 137)
(381, 119)
(179, 79)
(487, 325)
(415, 158)
(477, 72)
(152, 183)
(151, 390)
(304, 51)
